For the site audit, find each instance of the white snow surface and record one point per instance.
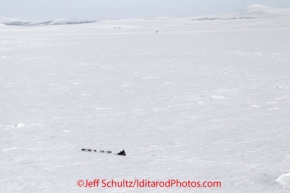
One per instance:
(284, 180)
(187, 100)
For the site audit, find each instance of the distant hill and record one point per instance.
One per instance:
(18, 22)
(250, 12)
(5, 20)
(257, 10)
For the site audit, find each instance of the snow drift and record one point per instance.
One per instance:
(284, 180)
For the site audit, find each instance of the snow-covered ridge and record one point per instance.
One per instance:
(257, 10)
(250, 12)
(221, 18)
(18, 22)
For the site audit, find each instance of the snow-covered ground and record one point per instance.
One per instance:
(187, 99)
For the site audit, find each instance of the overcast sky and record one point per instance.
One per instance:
(91, 9)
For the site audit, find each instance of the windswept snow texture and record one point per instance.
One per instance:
(187, 100)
